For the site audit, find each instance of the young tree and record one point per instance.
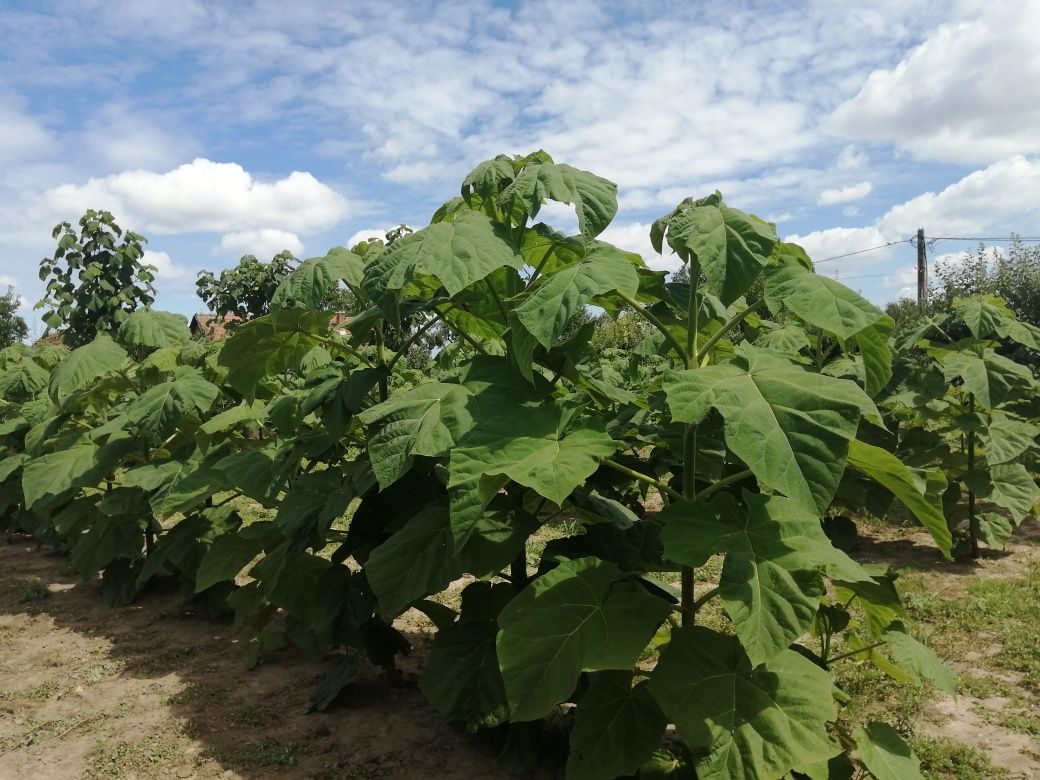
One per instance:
(246, 290)
(12, 327)
(95, 278)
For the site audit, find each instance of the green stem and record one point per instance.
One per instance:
(866, 649)
(688, 604)
(384, 390)
(652, 319)
(463, 335)
(971, 474)
(498, 301)
(705, 599)
(643, 478)
(715, 487)
(538, 270)
(731, 323)
(408, 344)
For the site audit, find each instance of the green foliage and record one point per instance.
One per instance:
(749, 393)
(245, 291)
(95, 279)
(12, 327)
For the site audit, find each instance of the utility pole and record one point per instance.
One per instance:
(922, 271)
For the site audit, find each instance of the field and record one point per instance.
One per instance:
(742, 524)
(151, 690)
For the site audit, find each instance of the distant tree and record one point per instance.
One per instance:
(1013, 275)
(95, 278)
(246, 290)
(12, 327)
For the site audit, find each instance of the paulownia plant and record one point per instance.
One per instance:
(132, 452)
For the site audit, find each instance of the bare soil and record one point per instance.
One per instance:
(150, 691)
(153, 691)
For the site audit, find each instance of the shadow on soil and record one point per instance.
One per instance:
(253, 723)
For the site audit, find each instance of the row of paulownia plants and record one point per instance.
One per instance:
(779, 401)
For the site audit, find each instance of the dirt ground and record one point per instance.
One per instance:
(146, 691)
(149, 691)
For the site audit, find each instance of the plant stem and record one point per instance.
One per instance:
(498, 300)
(384, 390)
(866, 649)
(412, 339)
(647, 315)
(644, 478)
(518, 570)
(708, 596)
(731, 323)
(688, 604)
(715, 487)
(971, 473)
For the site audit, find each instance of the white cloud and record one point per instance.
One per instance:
(845, 194)
(204, 196)
(264, 243)
(367, 234)
(22, 136)
(970, 93)
(986, 199)
(1003, 198)
(166, 269)
(635, 237)
(128, 140)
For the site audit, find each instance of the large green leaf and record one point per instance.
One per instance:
(876, 351)
(1011, 487)
(593, 197)
(983, 314)
(457, 253)
(1006, 437)
(462, 678)
(919, 661)
(270, 345)
(791, 427)
(424, 420)
(559, 296)
(153, 329)
(312, 282)
(531, 446)
(231, 552)
(415, 561)
(740, 721)
(731, 246)
(581, 616)
(884, 753)
(923, 497)
(70, 467)
(107, 539)
(770, 587)
(820, 301)
(159, 410)
(83, 366)
(992, 378)
(617, 729)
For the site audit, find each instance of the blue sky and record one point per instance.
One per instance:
(220, 129)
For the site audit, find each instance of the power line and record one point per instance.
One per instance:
(862, 251)
(983, 238)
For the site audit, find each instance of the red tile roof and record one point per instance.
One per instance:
(214, 327)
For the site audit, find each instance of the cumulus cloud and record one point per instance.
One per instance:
(1000, 198)
(969, 94)
(635, 237)
(264, 243)
(204, 196)
(166, 269)
(845, 194)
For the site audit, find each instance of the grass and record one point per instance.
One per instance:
(994, 626)
(944, 758)
(130, 758)
(33, 589)
(267, 752)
